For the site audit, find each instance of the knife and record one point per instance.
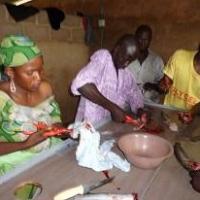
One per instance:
(162, 106)
(81, 189)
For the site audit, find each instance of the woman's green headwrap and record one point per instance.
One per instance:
(17, 50)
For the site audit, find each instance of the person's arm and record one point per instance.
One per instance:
(9, 147)
(162, 87)
(165, 84)
(135, 100)
(92, 72)
(169, 71)
(134, 96)
(91, 92)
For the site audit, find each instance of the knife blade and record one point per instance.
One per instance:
(81, 189)
(163, 107)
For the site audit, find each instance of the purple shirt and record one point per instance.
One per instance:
(121, 89)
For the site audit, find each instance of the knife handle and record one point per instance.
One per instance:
(66, 194)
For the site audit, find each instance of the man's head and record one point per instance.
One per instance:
(125, 51)
(143, 35)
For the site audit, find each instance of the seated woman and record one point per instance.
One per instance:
(26, 101)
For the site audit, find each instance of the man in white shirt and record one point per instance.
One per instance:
(147, 68)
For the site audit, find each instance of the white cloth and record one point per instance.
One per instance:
(91, 154)
(150, 71)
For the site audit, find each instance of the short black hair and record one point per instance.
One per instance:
(198, 54)
(125, 40)
(143, 28)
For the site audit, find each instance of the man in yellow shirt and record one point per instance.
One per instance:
(181, 82)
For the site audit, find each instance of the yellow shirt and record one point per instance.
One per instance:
(185, 90)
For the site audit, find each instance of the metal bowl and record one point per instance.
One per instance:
(145, 150)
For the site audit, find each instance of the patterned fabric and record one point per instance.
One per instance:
(184, 92)
(15, 119)
(119, 88)
(16, 50)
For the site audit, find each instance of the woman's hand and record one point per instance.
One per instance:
(34, 139)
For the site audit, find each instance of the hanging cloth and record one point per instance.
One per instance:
(20, 13)
(56, 16)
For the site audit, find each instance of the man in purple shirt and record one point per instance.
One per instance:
(106, 86)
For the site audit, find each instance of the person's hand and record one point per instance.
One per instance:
(35, 138)
(165, 84)
(149, 86)
(141, 121)
(186, 117)
(135, 122)
(117, 114)
(144, 117)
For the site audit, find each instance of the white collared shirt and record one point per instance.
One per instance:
(150, 71)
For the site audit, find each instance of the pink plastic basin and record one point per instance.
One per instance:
(145, 150)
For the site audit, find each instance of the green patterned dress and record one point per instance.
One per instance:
(15, 119)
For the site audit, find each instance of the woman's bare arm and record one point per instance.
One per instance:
(9, 147)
